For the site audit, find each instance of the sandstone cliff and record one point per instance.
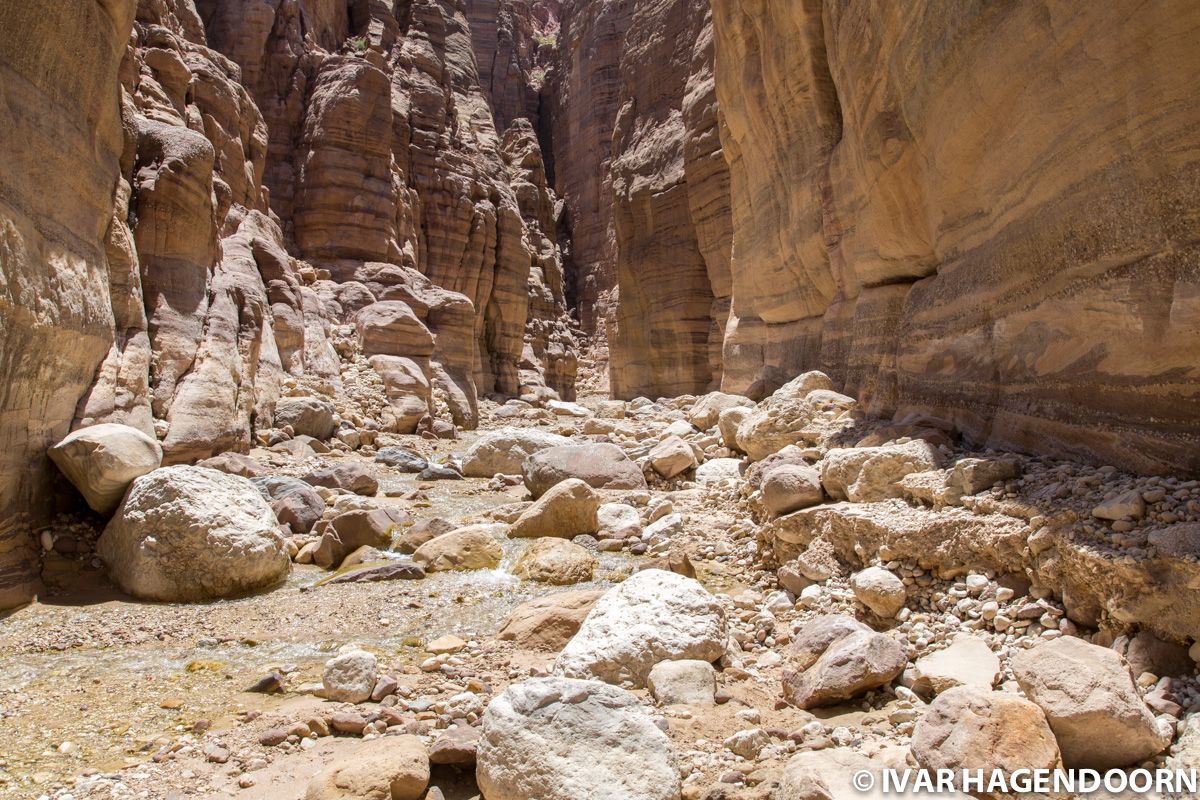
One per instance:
(585, 90)
(985, 220)
(58, 169)
(670, 188)
(198, 220)
(208, 204)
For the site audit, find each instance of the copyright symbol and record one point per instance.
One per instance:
(864, 780)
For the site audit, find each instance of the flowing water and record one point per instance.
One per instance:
(114, 678)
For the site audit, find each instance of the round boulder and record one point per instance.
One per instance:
(307, 416)
(652, 616)
(350, 676)
(102, 460)
(185, 534)
(601, 466)
(791, 487)
(561, 739)
(472, 547)
(555, 561)
(880, 591)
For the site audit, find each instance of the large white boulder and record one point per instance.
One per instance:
(562, 739)
(651, 617)
(503, 451)
(1090, 699)
(869, 474)
(805, 410)
(192, 533)
(102, 460)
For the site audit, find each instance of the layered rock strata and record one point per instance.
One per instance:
(670, 188)
(585, 89)
(197, 220)
(961, 220)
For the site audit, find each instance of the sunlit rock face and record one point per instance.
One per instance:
(963, 220)
(186, 187)
(671, 195)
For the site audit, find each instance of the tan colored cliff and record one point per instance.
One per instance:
(585, 90)
(58, 170)
(990, 221)
(671, 200)
(171, 253)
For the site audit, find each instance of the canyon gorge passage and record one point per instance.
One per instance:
(588, 399)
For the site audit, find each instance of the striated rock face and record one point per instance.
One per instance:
(402, 127)
(670, 188)
(61, 144)
(191, 224)
(514, 42)
(980, 229)
(586, 88)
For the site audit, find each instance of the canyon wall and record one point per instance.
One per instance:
(981, 212)
(984, 212)
(585, 92)
(204, 203)
(671, 206)
(61, 146)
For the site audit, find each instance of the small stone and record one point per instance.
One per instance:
(880, 591)
(445, 645)
(348, 722)
(350, 677)
(748, 744)
(215, 754)
(268, 684)
(273, 737)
